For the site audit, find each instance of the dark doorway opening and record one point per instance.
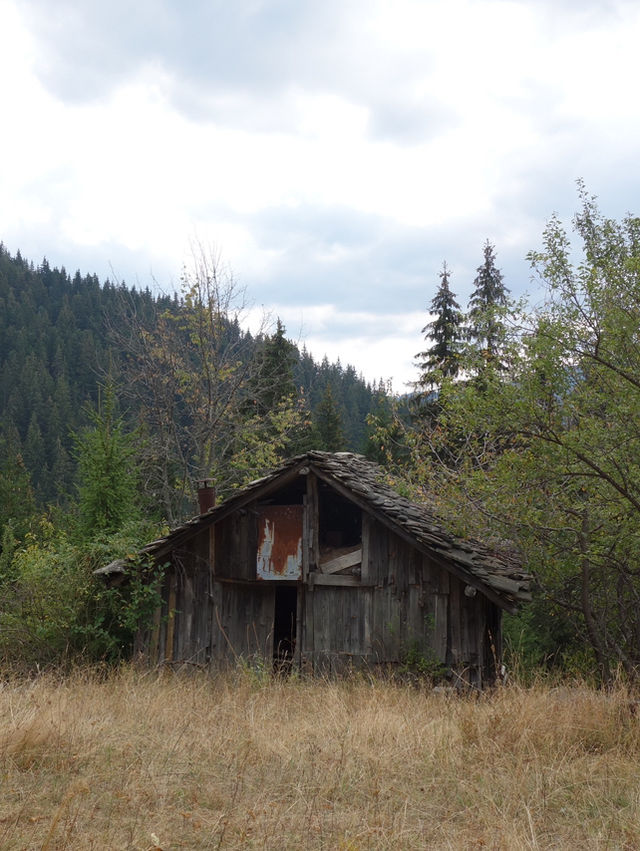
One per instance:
(284, 627)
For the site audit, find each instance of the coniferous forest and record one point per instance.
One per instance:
(63, 338)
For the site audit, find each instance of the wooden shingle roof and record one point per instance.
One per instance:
(495, 572)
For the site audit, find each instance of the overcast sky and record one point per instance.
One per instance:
(334, 152)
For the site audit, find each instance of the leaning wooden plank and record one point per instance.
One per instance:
(335, 565)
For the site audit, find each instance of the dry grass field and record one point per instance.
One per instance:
(135, 761)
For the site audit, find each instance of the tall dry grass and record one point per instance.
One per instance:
(135, 761)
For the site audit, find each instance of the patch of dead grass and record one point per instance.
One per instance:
(141, 761)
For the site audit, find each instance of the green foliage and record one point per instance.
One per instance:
(441, 359)
(546, 453)
(418, 662)
(17, 502)
(546, 638)
(54, 611)
(488, 307)
(108, 478)
(329, 435)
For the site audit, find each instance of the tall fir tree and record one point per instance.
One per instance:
(441, 360)
(487, 305)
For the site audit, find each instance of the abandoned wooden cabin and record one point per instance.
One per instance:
(323, 564)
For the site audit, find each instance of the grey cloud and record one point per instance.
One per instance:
(87, 47)
(411, 120)
(234, 62)
(381, 267)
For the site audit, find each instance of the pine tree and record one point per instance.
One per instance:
(486, 308)
(441, 359)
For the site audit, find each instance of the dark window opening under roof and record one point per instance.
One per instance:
(340, 520)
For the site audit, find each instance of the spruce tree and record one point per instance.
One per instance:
(486, 309)
(441, 359)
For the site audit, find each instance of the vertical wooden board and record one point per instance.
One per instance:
(365, 568)
(435, 601)
(306, 533)
(217, 643)
(401, 563)
(308, 642)
(454, 656)
(221, 559)
(300, 612)
(418, 628)
(437, 577)
(492, 656)
(440, 625)
(378, 553)
(234, 536)
(313, 540)
(259, 602)
(211, 559)
(480, 630)
(171, 615)
(186, 649)
(365, 596)
(334, 613)
(377, 631)
(322, 620)
(251, 545)
(198, 645)
(155, 636)
(386, 625)
(468, 628)
(347, 633)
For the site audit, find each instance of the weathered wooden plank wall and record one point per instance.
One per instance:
(403, 603)
(242, 622)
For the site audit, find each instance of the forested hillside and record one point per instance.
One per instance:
(62, 336)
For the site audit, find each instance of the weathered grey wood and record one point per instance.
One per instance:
(313, 542)
(333, 579)
(365, 571)
(171, 617)
(154, 637)
(454, 658)
(378, 553)
(307, 641)
(338, 563)
(215, 610)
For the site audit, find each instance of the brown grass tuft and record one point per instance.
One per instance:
(141, 761)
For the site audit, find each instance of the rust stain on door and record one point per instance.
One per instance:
(280, 542)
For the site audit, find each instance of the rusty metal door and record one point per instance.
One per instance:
(280, 542)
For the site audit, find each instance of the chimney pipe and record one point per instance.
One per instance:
(206, 495)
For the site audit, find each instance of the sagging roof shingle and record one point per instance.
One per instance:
(497, 572)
